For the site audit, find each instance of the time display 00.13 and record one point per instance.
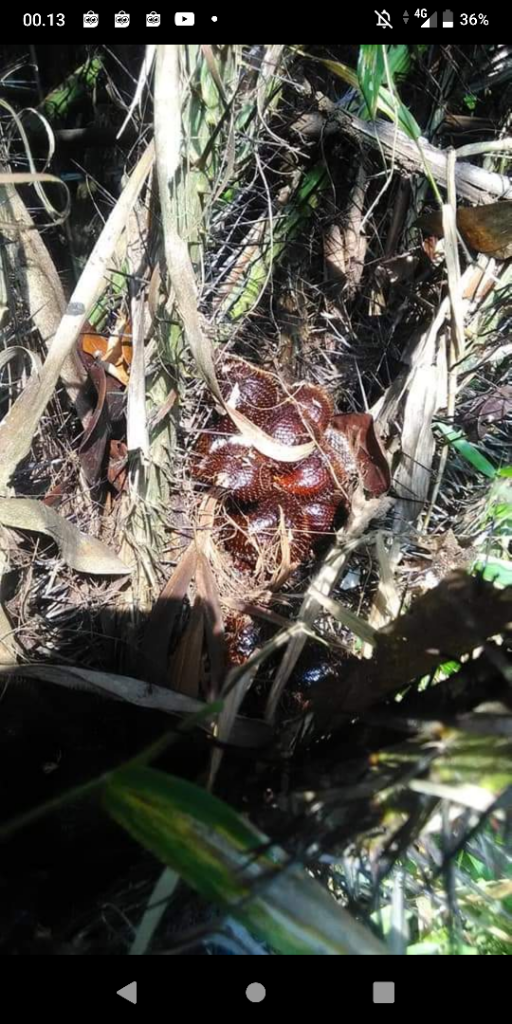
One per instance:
(37, 20)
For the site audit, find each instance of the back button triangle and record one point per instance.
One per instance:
(129, 992)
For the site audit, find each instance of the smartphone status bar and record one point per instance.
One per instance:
(161, 24)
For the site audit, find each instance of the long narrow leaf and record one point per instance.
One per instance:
(370, 72)
(457, 439)
(228, 861)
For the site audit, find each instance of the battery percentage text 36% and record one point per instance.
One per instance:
(474, 19)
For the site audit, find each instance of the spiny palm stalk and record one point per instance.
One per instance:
(228, 97)
(223, 203)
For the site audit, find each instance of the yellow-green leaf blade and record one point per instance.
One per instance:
(228, 861)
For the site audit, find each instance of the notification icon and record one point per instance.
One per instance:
(153, 20)
(184, 18)
(121, 20)
(91, 20)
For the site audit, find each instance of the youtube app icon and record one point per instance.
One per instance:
(184, 18)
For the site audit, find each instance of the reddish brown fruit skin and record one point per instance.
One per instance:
(315, 405)
(249, 389)
(241, 471)
(259, 528)
(320, 513)
(286, 425)
(359, 431)
(306, 494)
(310, 476)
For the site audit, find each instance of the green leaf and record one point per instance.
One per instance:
(457, 439)
(60, 100)
(483, 761)
(495, 570)
(370, 72)
(389, 103)
(502, 512)
(449, 668)
(424, 949)
(402, 115)
(498, 511)
(399, 59)
(293, 219)
(230, 862)
(341, 71)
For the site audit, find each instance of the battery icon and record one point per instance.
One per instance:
(447, 19)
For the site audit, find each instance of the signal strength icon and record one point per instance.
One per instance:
(430, 22)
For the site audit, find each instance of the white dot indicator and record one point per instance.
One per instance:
(214, 17)
(255, 992)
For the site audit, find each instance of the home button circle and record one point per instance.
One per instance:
(255, 992)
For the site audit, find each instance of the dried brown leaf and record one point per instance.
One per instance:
(494, 409)
(41, 288)
(371, 460)
(208, 593)
(94, 441)
(185, 671)
(20, 424)
(117, 470)
(157, 636)
(487, 229)
(246, 733)
(446, 622)
(81, 552)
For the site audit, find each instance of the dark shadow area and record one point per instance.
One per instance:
(55, 873)
(74, 883)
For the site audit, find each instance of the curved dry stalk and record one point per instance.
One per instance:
(168, 137)
(80, 551)
(246, 732)
(35, 274)
(20, 424)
